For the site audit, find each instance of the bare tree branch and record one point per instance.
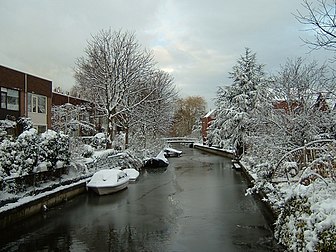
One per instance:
(321, 20)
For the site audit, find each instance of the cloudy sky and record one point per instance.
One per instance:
(197, 41)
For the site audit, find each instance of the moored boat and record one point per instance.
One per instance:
(171, 152)
(133, 174)
(159, 161)
(108, 181)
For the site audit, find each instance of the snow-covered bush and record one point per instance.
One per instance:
(31, 152)
(327, 240)
(27, 151)
(99, 141)
(292, 223)
(7, 158)
(26, 123)
(53, 148)
(126, 160)
(119, 141)
(18, 157)
(4, 126)
(307, 221)
(87, 151)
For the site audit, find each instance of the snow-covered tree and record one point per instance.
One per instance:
(113, 74)
(153, 114)
(299, 88)
(301, 111)
(239, 105)
(119, 77)
(73, 119)
(319, 16)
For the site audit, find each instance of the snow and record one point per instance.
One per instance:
(100, 136)
(172, 150)
(162, 157)
(317, 212)
(43, 166)
(23, 200)
(210, 113)
(80, 171)
(106, 177)
(215, 148)
(133, 174)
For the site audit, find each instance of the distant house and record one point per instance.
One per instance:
(25, 95)
(206, 121)
(285, 106)
(320, 103)
(61, 99)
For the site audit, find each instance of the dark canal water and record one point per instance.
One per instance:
(196, 204)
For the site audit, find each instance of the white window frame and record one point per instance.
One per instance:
(34, 103)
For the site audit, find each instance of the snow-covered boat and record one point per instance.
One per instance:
(108, 181)
(133, 174)
(159, 161)
(171, 152)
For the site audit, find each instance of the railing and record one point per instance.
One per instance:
(306, 163)
(180, 140)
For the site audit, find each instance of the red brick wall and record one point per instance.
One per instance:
(11, 78)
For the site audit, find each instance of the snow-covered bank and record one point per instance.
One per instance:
(217, 151)
(305, 215)
(27, 206)
(78, 173)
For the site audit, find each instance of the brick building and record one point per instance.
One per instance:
(206, 121)
(25, 95)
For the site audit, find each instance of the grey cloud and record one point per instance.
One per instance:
(198, 41)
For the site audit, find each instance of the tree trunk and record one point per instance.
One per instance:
(126, 138)
(111, 131)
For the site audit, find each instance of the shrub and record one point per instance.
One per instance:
(99, 141)
(292, 223)
(53, 148)
(21, 156)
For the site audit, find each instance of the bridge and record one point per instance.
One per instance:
(180, 140)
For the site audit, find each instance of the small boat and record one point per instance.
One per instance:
(170, 152)
(133, 174)
(236, 165)
(159, 161)
(108, 181)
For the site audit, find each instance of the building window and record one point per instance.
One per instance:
(41, 108)
(37, 103)
(9, 99)
(3, 99)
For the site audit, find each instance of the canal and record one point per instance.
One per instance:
(197, 204)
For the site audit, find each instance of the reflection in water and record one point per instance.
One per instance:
(196, 204)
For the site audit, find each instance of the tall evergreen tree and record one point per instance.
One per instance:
(239, 105)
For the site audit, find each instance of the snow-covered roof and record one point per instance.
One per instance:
(210, 113)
